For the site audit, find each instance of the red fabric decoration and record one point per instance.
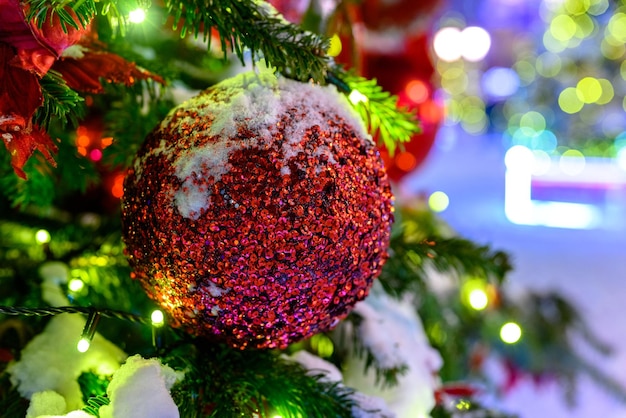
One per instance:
(84, 73)
(409, 15)
(20, 93)
(395, 65)
(20, 96)
(22, 143)
(37, 48)
(27, 52)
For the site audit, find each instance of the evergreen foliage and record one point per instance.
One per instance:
(257, 28)
(43, 11)
(379, 109)
(224, 382)
(59, 102)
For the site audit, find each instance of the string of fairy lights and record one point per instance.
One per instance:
(157, 319)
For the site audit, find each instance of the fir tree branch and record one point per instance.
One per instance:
(412, 253)
(224, 382)
(257, 27)
(39, 190)
(94, 403)
(12, 404)
(378, 108)
(93, 388)
(463, 408)
(59, 102)
(42, 10)
(385, 377)
(464, 257)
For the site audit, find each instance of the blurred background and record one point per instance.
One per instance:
(528, 154)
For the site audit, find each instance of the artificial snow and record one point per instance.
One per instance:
(45, 403)
(203, 161)
(51, 361)
(394, 334)
(315, 364)
(371, 407)
(366, 406)
(49, 404)
(255, 101)
(53, 275)
(140, 389)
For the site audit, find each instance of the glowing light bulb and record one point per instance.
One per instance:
(478, 299)
(137, 15)
(357, 97)
(447, 44)
(42, 236)
(83, 345)
(589, 90)
(510, 333)
(157, 318)
(438, 201)
(476, 43)
(500, 82)
(334, 48)
(76, 285)
(417, 91)
(621, 158)
(572, 162)
(117, 190)
(519, 157)
(463, 405)
(95, 155)
(569, 101)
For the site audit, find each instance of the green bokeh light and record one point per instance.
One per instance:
(569, 101)
(589, 90)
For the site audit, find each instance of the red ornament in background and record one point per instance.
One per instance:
(391, 44)
(409, 76)
(258, 213)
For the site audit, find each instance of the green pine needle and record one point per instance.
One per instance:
(385, 377)
(43, 10)
(12, 404)
(462, 408)
(94, 403)
(254, 26)
(378, 108)
(417, 243)
(59, 102)
(38, 190)
(224, 382)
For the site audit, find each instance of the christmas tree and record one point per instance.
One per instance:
(196, 221)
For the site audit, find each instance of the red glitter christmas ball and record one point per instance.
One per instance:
(258, 213)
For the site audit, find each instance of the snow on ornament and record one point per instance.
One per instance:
(258, 213)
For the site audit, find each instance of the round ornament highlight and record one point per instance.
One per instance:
(258, 212)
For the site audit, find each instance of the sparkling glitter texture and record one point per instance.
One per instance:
(258, 213)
